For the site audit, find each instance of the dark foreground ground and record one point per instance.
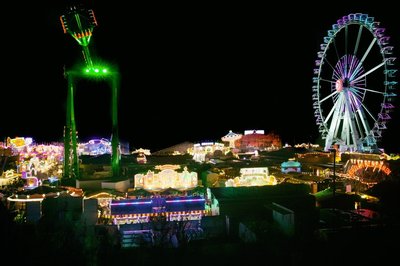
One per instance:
(69, 243)
(355, 246)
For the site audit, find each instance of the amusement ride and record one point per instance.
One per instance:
(354, 84)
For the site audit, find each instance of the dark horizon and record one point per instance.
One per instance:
(224, 67)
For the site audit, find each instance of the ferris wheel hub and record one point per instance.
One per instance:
(339, 85)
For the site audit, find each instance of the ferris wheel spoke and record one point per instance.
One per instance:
(363, 128)
(358, 67)
(337, 53)
(355, 102)
(349, 121)
(345, 40)
(336, 119)
(360, 127)
(334, 70)
(347, 129)
(361, 117)
(336, 76)
(359, 83)
(335, 97)
(329, 96)
(327, 80)
(365, 89)
(342, 69)
(331, 112)
(352, 65)
(366, 109)
(369, 72)
(358, 39)
(358, 94)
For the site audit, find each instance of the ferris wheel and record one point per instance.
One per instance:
(354, 84)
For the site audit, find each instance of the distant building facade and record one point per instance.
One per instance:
(257, 140)
(251, 141)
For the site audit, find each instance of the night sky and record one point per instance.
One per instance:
(188, 72)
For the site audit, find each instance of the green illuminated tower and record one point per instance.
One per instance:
(79, 23)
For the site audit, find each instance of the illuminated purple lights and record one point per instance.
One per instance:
(184, 200)
(131, 203)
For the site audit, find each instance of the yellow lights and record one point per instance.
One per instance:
(168, 167)
(8, 178)
(18, 142)
(166, 178)
(16, 199)
(250, 177)
(9, 174)
(100, 195)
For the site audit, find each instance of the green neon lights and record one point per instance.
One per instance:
(97, 72)
(79, 23)
(71, 160)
